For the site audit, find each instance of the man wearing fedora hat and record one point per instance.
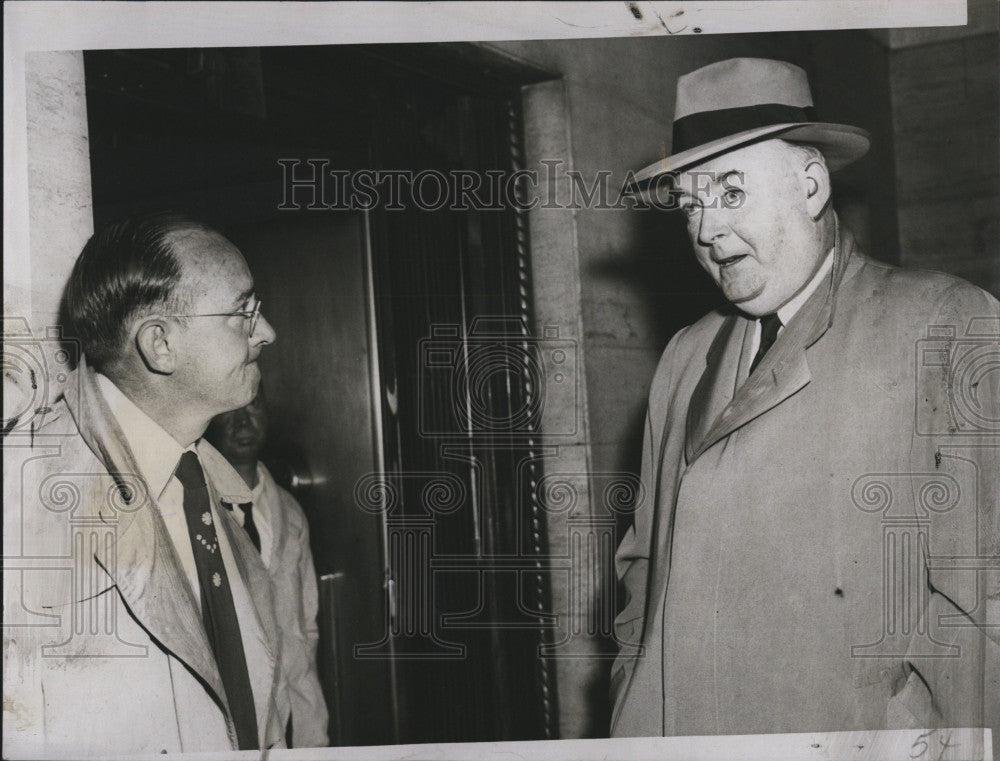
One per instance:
(819, 537)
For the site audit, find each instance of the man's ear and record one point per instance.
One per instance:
(817, 180)
(153, 341)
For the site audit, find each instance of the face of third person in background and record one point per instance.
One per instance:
(751, 216)
(240, 434)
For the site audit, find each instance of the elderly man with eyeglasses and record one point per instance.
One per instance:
(162, 637)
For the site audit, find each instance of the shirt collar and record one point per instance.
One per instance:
(258, 491)
(787, 312)
(262, 495)
(232, 488)
(229, 484)
(156, 452)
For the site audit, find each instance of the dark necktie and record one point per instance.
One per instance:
(769, 326)
(217, 609)
(248, 525)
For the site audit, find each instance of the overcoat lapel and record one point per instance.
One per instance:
(782, 372)
(716, 386)
(143, 562)
(226, 484)
(258, 583)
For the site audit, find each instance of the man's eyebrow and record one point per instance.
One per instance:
(725, 175)
(243, 296)
(715, 179)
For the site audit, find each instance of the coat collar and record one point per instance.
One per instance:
(718, 383)
(144, 564)
(715, 410)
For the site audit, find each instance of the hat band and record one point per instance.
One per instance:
(700, 128)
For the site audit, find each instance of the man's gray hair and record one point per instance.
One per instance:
(806, 152)
(126, 270)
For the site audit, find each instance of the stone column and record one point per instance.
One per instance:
(53, 184)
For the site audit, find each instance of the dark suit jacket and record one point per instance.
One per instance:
(777, 573)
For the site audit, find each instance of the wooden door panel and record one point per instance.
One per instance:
(311, 273)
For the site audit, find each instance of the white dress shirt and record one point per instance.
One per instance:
(157, 454)
(261, 511)
(788, 311)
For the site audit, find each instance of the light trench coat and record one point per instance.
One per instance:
(818, 543)
(296, 598)
(104, 647)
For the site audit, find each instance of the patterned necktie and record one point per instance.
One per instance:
(217, 609)
(248, 525)
(769, 327)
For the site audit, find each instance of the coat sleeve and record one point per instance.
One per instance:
(632, 560)
(957, 446)
(309, 713)
(632, 568)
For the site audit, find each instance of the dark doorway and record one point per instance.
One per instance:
(432, 618)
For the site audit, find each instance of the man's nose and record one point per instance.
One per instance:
(712, 225)
(263, 333)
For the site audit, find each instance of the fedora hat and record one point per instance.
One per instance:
(732, 103)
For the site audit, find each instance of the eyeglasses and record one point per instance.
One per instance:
(248, 314)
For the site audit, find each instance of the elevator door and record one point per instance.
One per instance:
(312, 276)
(206, 132)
